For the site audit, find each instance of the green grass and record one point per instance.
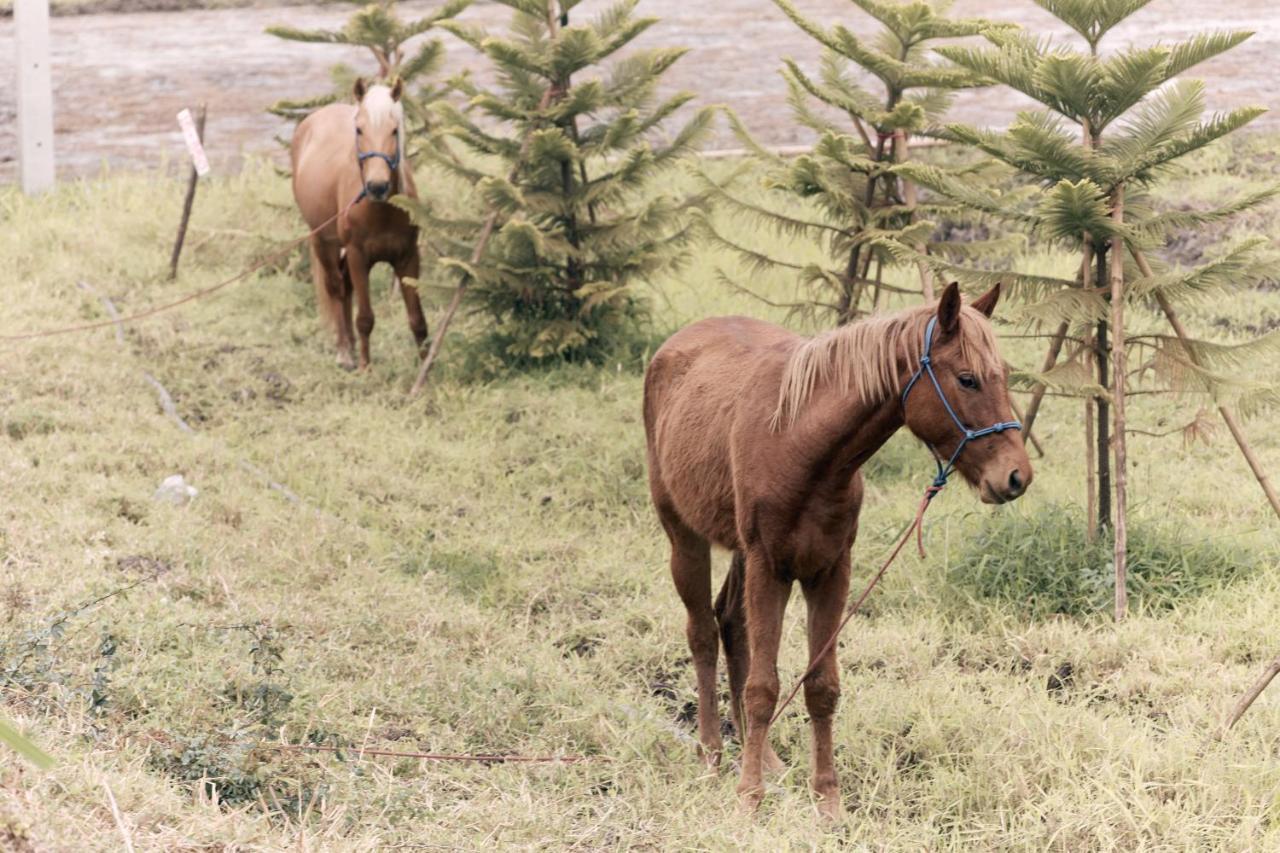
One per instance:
(481, 571)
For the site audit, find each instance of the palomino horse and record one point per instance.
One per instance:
(755, 440)
(349, 160)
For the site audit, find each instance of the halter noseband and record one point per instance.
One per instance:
(393, 161)
(926, 369)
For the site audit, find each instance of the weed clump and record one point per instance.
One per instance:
(1040, 564)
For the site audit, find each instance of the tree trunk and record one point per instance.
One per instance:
(1117, 396)
(1102, 409)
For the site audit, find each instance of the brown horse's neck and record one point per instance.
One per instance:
(843, 432)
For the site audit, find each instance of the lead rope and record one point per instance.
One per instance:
(939, 481)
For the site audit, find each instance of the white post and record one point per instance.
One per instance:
(35, 95)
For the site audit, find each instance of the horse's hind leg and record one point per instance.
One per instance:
(408, 269)
(731, 613)
(691, 571)
(825, 598)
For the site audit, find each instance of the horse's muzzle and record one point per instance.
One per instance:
(379, 190)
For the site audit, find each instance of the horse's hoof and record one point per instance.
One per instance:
(346, 360)
(749, 800)
(712, 756)
(829, 807)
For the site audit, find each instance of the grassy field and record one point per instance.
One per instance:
(481, 572)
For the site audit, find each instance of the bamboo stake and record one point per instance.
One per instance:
(1272, 670)
(1233, 423)
(188, 202)
(1026, 430)
(1119, 478)
(482, 241)
(1050, 359)
(911, 195)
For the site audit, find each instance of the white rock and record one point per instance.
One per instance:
(175, 490)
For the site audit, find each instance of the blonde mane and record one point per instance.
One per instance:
(864, 358)
(380, 107)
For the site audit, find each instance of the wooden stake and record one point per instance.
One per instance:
(1050, 359)
(1233, 423)
(1272, 670)
(910, 195)
(1119, 476)
(1026, 430)
(187, 203)
(482, 241)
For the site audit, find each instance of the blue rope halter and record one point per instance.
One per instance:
(926, 369)
(393, 162)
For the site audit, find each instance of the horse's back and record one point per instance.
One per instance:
(322, 154)
(706, 379)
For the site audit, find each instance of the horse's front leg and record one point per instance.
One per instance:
(766, 600)
(408, 268)
(825, 597)
(358, 265)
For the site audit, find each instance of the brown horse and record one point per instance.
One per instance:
(755, 440)
(349, 161)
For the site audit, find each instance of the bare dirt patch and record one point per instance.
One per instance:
(120, 78)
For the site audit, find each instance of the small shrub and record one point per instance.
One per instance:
(1041, 565)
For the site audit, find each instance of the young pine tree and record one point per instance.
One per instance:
(379, 28)
(848, 177)
(1110, 128)
(565, 155)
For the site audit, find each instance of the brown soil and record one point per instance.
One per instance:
(119, 79)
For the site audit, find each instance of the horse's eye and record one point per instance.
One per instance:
(395, 132)
(359, 132)
(968, 380)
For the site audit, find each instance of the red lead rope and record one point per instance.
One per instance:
(917, 526)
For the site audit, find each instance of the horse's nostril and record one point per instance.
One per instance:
(1015, 482)
(379, 189)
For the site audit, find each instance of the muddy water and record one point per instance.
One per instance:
(119, 79)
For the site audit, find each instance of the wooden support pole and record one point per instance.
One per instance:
(910, 195)
(1118, 379)
(486, 232)
(1050, 359)
(1233, 423)
(35, 96)
(188, 202)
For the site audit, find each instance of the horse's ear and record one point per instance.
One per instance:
(359, 89)
(397, 89)
(949, 309)
(986, 303)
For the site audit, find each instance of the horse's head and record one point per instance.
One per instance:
(959, 387)
(379, 118)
